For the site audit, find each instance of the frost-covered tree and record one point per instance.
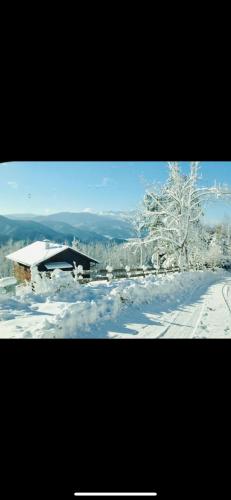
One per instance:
(172, 213)
(214, 254)
(75, 244)
(6, 265)
(116, 255)
(199, 248)
(137, 223)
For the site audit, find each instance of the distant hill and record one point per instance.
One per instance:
(26, 230)
(69, 231)
(21, 216)
(111, 226)
(32, 230)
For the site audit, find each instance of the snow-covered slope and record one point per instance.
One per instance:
(187, 305)
(113, 224)
(17, 230)
(41, 227)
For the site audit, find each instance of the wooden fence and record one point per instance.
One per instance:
(104, 274)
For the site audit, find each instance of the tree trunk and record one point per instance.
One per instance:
(158, 260)
(141, 255)
(186, 256)
(181, 253)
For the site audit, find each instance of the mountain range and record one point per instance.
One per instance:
(84, 226)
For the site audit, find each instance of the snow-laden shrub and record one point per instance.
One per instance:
(109, 274)
(43, 284)
(80, 316)
(162, 288)
(23, 289)
(170, 262)
(128, 271)
(78, 272)
(153, 259)
(59, 277)
(214, 256)
(39, 282)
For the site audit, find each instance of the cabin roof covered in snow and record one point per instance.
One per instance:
(38, 252)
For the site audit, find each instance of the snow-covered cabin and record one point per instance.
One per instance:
(47, 256)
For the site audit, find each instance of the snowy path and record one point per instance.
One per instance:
(206, 313)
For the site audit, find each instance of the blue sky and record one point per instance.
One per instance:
(48, 187)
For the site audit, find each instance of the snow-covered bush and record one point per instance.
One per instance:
(109, 274)
(78, 272)
(43, 284)
(214, 255)
(170, 262)
(75, 272)
(155, 261)
(128, 271)
(59, 277)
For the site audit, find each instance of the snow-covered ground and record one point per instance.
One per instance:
(180, 305)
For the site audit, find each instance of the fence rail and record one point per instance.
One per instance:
(104, 275)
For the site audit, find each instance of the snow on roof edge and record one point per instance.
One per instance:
(59, 249)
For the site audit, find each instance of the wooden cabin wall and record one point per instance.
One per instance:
(21, 272)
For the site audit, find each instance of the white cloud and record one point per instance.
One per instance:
(13, 184)
(88, 210)
(105, 182)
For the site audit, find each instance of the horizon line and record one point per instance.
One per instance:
(93, 212)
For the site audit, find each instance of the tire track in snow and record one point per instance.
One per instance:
(188, 319)
(200, 313)
(162, 334)
(198, 319)
(191, 315)
(187, 302)
(197, 314)
(226, 288)
(172, 320)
